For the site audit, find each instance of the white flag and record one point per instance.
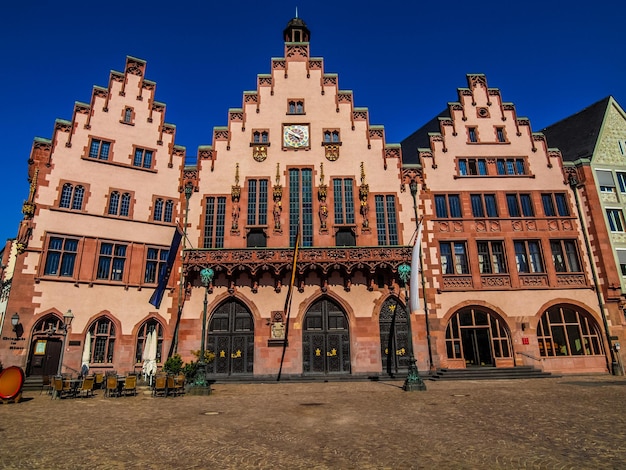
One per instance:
(414, 296)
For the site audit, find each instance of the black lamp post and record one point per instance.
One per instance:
(206, 276)
(67, 321)
(413, 380)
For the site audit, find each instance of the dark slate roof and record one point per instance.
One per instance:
(576, 135)
(419, 138)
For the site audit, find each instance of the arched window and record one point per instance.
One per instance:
(103, 334)
(125, 208)
(66, 195)
(128, 115)
(77, 200)
(114, 203)
(566, 331)
(158, 209)
(149, 326)
(169, 211)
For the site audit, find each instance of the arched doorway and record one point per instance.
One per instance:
(394, 336)
(231, 338)
(478, 336)
(45, 348)
(325, 339)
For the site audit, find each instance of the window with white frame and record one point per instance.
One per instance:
(616, 220)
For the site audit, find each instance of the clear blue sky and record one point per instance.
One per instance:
(402, 59)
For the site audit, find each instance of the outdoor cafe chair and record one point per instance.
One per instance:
(179, 384)
(130, 385)
(99, 380)
(160, 386)
(68, 387)
(86, 387)
(57, 387)
(111, 386)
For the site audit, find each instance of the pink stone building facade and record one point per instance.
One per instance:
(299, 160)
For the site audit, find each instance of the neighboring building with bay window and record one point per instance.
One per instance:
(507, 276)
(593, 145)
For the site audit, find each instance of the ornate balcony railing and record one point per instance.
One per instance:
(278, 260)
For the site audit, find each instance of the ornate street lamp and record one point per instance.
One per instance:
(15, 321)
(206, 276)
(67, 321)
(413, 380)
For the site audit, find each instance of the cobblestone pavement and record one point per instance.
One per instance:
(568, 422)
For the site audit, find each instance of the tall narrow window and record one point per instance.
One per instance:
(301, 205)
(257, 202)
(491, 257)
(215, 213)
(111, 261)
(453, 258)
(528, 257)
(143, 158)
(565, 256)
(103, 340)
(158, 209)
(99, 149)
(621, 180)
(484, 205)
(128, 115)
(448, 205)
(616, 219)
(386, 221)
(471, 131)
(520, 205)
(169, 211)
(61, 257)
(114, 203)
(343, 196)
(156, 263)
(500, 134)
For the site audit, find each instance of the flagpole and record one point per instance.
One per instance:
(287, 309)
(431, 366)
(174, 345)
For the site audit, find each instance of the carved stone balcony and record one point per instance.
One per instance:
(277, 261)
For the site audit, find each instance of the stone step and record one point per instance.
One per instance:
(490, 373)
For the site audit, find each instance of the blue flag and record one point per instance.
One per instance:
(164, 276)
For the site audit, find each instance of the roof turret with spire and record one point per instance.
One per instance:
(296, 30)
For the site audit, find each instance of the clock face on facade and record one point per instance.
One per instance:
(296, 136)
